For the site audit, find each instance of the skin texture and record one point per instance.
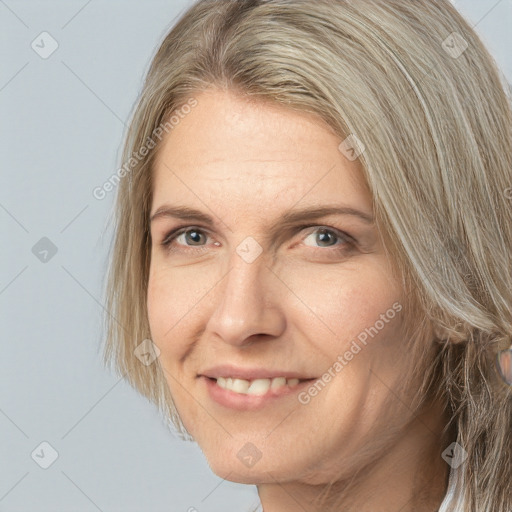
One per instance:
(296, 307)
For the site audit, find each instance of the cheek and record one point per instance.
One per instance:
(342, 302)
(353, 323)
(167, 303)
(158, 302)
(170, 297)
(176, 299)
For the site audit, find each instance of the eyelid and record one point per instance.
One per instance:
(318, 227)
(344, 236)
(174, 233)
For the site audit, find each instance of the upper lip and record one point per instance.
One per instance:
(227, 370)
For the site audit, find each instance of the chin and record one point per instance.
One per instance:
(244, 466)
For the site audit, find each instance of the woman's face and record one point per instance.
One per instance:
(255, 293)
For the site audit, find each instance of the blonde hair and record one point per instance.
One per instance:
(414, 83)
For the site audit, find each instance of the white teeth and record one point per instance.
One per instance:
(255, 387)
(259, 387)
(278, 382)
(240, 386)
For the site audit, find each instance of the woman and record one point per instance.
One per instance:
(311, 273)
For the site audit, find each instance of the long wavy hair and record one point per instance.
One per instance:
(415, 84)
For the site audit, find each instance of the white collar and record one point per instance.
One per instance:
(449, 498)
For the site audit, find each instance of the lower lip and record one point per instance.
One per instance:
(242, 402)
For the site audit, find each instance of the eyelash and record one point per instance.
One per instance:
(346, 239)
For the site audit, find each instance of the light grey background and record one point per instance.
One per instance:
(62, 123)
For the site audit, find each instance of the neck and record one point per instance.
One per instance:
(410, 476)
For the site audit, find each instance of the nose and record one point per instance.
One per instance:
(247, 305)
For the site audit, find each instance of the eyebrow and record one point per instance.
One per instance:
(288, 218)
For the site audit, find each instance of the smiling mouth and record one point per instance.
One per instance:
(256, 387)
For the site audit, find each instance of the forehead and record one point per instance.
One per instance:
(233, 148)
